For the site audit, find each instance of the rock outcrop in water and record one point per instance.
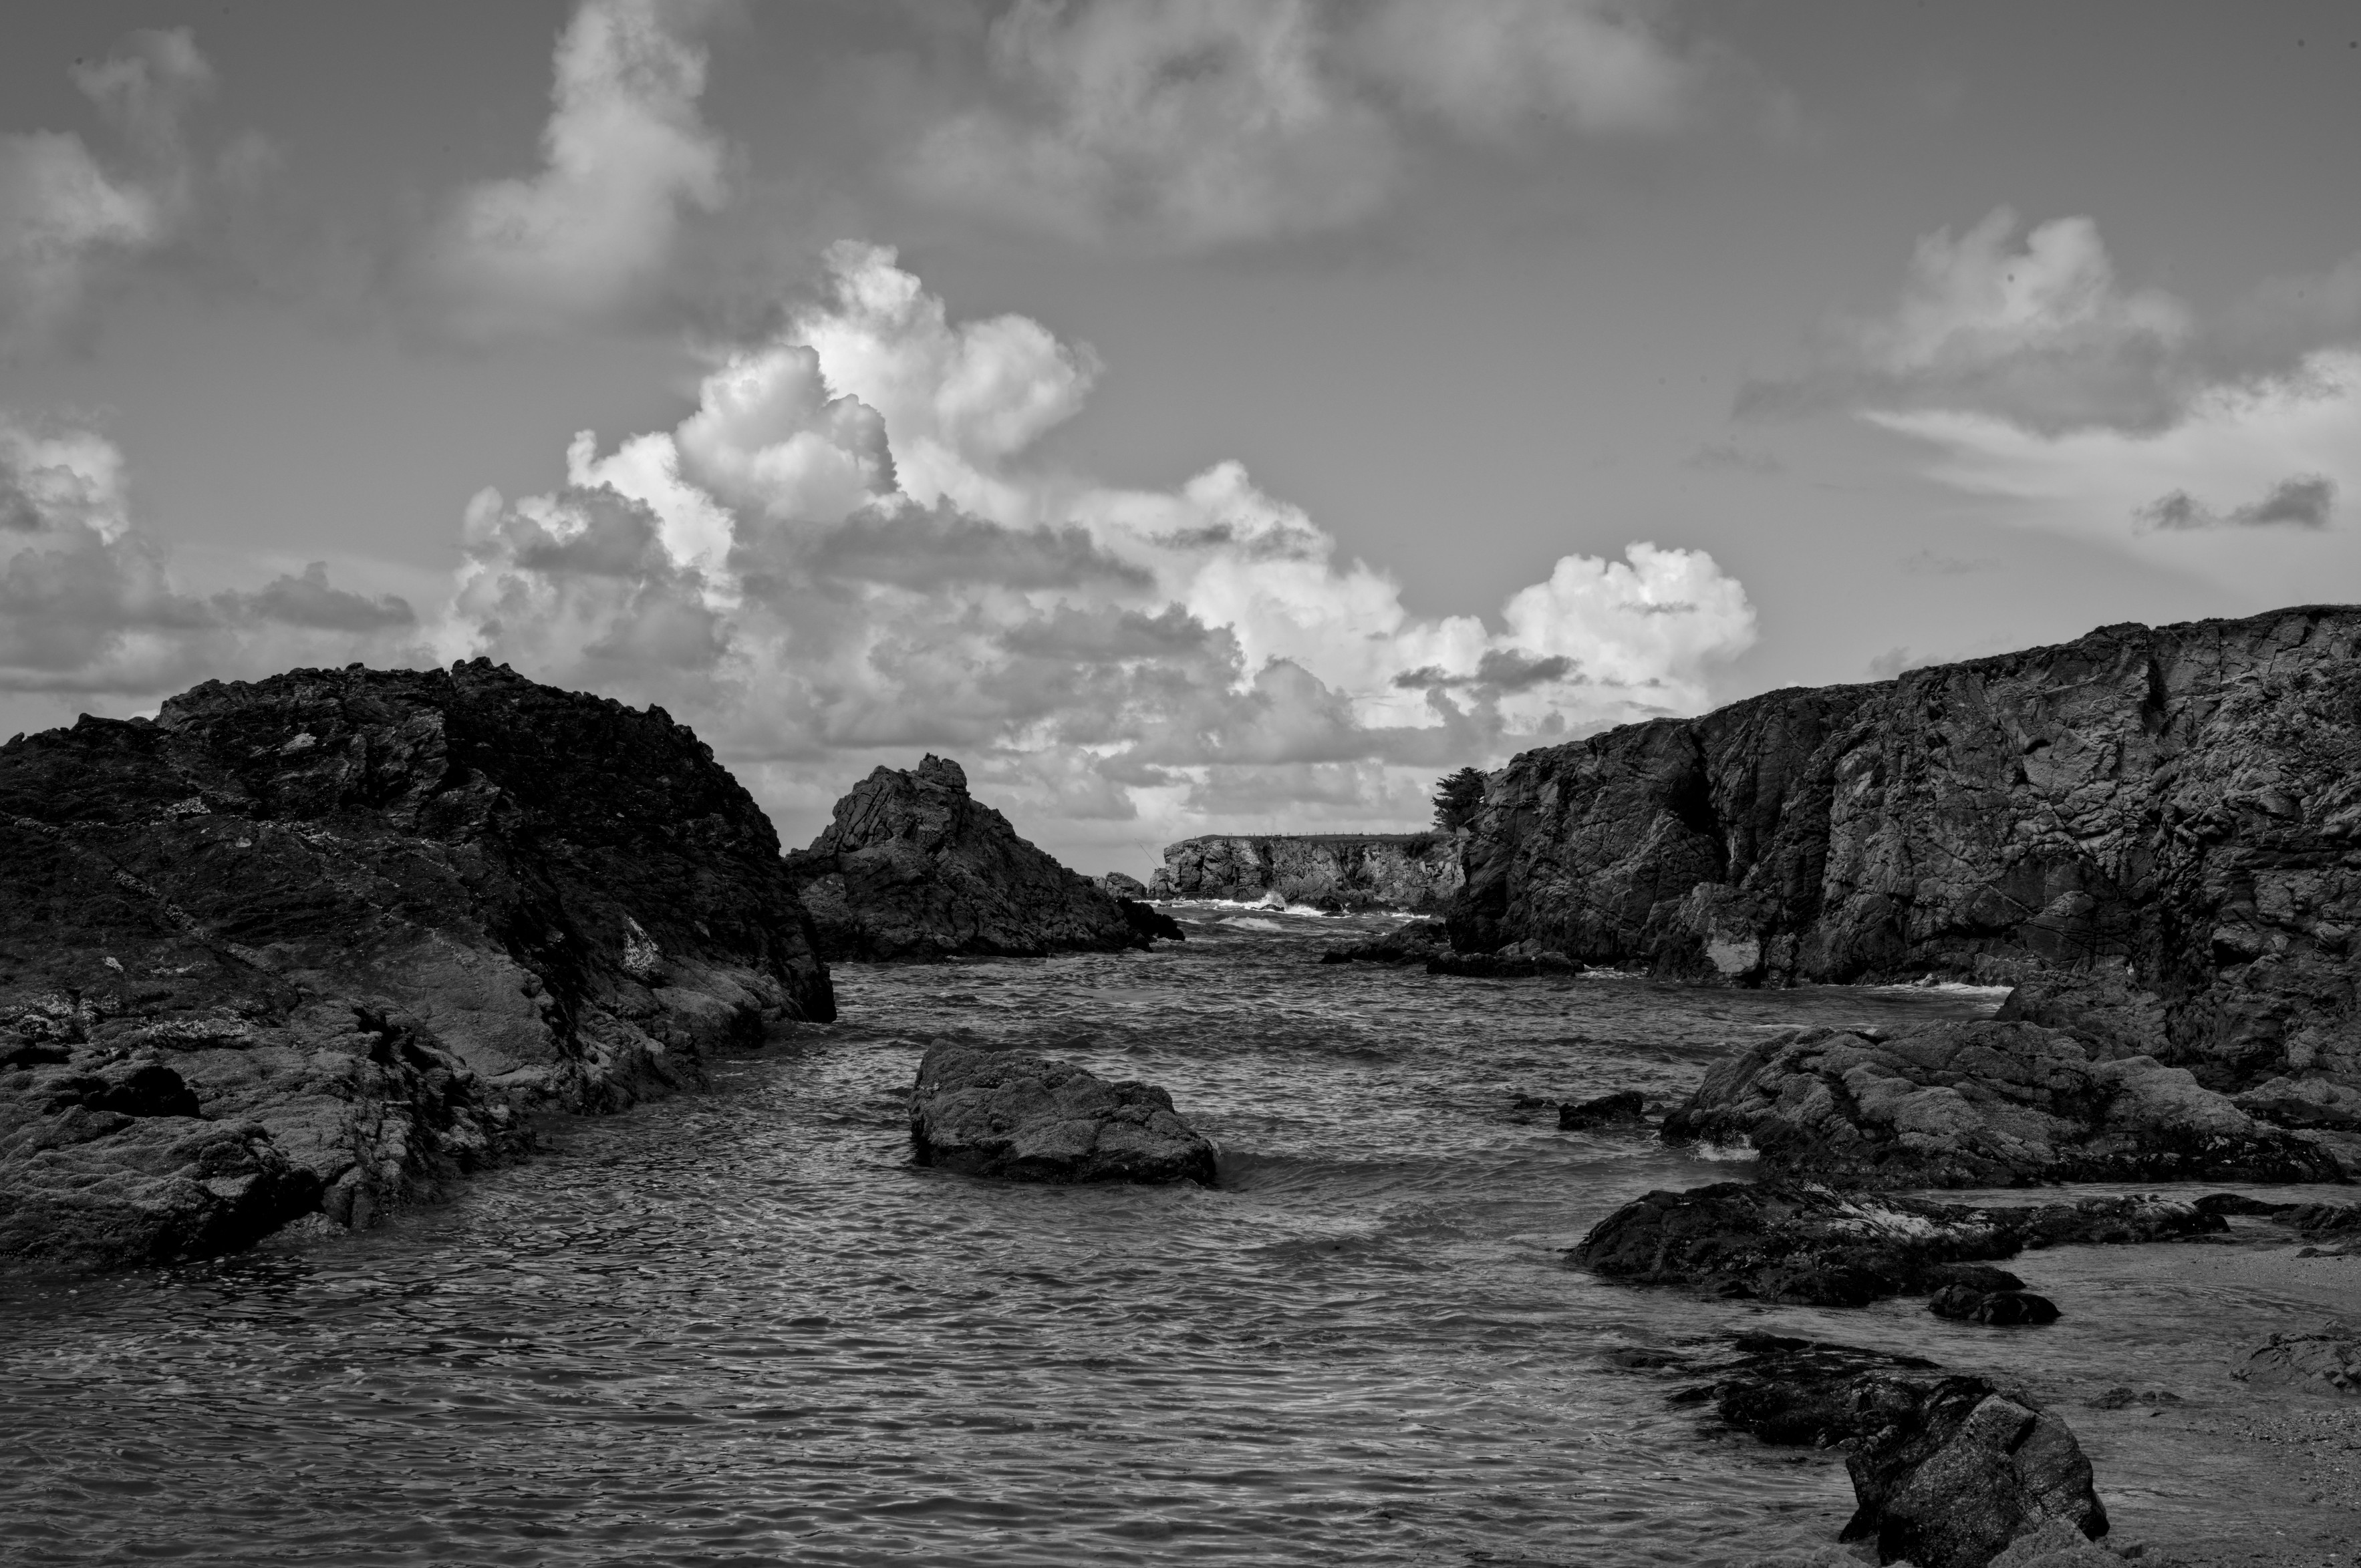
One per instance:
(1412, 942)
(1010, 1114)
(318, 942)
(1336, 872)
(1947, 1471)
(1985, 1104)
(913, 867)
(2184, 800)
(1811, 1246)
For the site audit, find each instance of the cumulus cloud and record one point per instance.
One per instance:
(2036, 330)
(849, 549)
(1205, 123)
(69, 217)
(625, 155)
(89, 603)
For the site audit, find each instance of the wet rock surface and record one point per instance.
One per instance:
(1336, 872)
(2327, 1359)
(1020, 1116)
(321, 942)
(1984, 1104)
(1149, 922)
(2178, 802)
(1414, 942)
(1624, 1107)
(1948, 1470)
(1816, 1247)
(913, 868)
(2000, 1308)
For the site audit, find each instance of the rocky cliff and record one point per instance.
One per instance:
(913, 867)
(319, 942)
(2179, 804)
(1330, 871)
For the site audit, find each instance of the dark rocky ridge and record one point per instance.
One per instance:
(1334, 872)
(2181, 800)
(357, 922)
(913, 868)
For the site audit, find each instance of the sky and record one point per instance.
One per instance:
(1194, 416)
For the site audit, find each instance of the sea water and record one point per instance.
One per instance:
(741, 1327)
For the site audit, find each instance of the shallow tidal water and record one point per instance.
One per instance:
(739, 1327)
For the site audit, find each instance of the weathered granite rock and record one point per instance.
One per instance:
(1816, 1247)
(2179, 799)
(1336, 872)
(1413, 942)
(1979, 1104)
(1624, 1107)
(1120, 885)
(1947, 1471)
(319, 941)
(913, 867)
(2326, 1360)
(1010, 1114)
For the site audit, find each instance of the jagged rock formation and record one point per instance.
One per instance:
(1815, 1247)
(1948, 1470)
(1010, 1114)
(2183, 800)
(1986, 1103)
(1336, 872)
(1413, 942)
(913, 867)
(316, 943)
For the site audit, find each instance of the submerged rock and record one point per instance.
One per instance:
(319, 942)
(1816, 1247)
(1509, 963)
(1010, 1114)
(913, 867)
(2174, 799)
(1623, 1108)
(1947, 1471)
(1985, 1104)
(1413, 942)
(2000, 1308)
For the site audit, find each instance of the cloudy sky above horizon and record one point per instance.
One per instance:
(1198, 415)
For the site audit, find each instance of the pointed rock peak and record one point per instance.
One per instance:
(944, 772)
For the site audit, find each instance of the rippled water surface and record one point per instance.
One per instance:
(739, 1327)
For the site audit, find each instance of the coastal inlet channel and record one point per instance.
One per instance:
(739, 1327)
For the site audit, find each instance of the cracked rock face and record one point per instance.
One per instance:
(913, 868)
(1010, 1114)
(318, 942)
(1418, 872)
(2181, 801)
(1987, 1103)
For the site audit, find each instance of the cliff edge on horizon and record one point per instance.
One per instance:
(2179, 804)
(1336, 872)
(319, 942)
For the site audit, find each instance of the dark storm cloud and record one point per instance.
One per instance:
(310, 601)
(941, 546)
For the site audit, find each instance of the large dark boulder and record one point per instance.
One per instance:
(1984, 1103)
(1816, 1247)
(1010, 1114)
(1948, 1470)
(913, 868)
(1412, 942)
(321, 941)
(2168, 801)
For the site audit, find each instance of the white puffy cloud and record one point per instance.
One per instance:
(2038, 332)
(68, 215)
(847, 550)
(625, 152)
(89, 605)
(1192, 123)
